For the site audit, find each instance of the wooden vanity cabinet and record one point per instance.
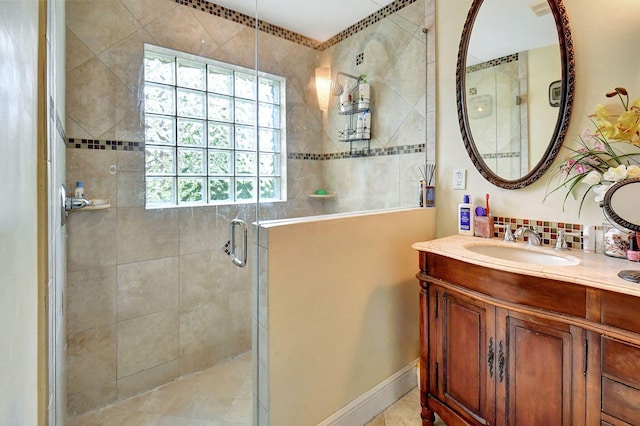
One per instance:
(490, 356)
(614, 379)
(497, 366)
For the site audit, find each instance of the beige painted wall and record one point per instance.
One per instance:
(18, 221)
(604, 35)
(342, 309)
(544, 67)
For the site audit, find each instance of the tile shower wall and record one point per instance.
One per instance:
(391, 53)
(152, 295)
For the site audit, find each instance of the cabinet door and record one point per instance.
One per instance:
(467, 339)
(543, 381)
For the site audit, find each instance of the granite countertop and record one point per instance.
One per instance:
(593, 270)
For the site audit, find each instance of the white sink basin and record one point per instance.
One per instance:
(523, 255)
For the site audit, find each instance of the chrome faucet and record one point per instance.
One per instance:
(532, 234)
(561, 241)
(508, 234)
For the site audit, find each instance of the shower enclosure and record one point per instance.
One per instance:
(152, 294)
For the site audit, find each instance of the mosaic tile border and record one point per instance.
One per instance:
(357, 153)
(492, 63)
(548, 230)
(98, 145)
(241, 18)
(249, 21)
(104, 145)
(367, 22)
(513, 154)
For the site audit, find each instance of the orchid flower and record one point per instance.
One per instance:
(592, 178)
(597, 161)
(633, 171)
(615, 174)
(599, 192)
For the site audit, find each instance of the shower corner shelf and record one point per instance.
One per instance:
(329, 194)
(96, 204)
(351, 128)
(354, 110)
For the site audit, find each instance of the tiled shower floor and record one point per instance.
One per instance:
(218, 396)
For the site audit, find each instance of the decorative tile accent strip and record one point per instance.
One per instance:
(249, 21)
(492, 63)
(376, 17)
(139, 146)
(241, 18)
(514, 154)
(105, 145)
(375, 152)
(360, 58)
(548, 230)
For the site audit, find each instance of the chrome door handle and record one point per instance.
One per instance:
(239, 261)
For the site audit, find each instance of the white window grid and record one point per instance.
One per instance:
(261, 143)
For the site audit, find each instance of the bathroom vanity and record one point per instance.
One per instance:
(554, 341)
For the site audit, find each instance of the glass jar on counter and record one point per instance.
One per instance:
(616, 240)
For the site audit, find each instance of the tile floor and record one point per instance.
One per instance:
(218, 396)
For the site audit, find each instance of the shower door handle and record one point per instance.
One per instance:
(239, 261)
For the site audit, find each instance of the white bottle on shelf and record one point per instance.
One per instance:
(79, 191)
(364, 95)
(366, 132)
(360, 126)
(346, 103)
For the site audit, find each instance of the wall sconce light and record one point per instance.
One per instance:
(323, 85)
(480, 106)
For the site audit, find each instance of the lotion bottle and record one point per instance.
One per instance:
(465, 217)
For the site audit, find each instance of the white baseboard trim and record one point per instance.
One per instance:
(371, 403)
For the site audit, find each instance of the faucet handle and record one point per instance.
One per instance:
(508, 234)
(561, 241)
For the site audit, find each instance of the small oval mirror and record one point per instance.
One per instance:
(620, 204)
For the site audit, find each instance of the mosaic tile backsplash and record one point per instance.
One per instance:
(548, 230)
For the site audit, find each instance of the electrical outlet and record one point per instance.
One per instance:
(459, 179)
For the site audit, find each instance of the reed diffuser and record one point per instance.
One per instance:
(427, 188)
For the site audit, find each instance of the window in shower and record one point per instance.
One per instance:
(214, 132)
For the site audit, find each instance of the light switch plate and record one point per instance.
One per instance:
(459, 179)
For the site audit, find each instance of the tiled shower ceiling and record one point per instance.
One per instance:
(315, 19)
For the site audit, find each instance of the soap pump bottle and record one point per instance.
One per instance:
(465, 216)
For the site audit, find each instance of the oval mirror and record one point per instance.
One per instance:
(620, 204)
(515, 83)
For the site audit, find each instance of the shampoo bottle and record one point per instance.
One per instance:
(465, 217)
(366, 115)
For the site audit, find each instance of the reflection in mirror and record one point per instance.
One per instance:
(512, 113)
(620, 204)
